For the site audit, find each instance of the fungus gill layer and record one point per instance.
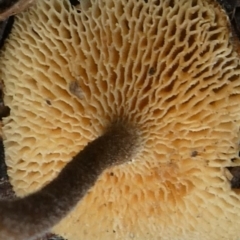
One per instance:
(167, 66)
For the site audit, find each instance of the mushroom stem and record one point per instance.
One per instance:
(35, 214)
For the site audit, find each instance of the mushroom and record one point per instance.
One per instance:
(167, 66)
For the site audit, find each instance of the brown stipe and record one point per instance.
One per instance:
(34, 215)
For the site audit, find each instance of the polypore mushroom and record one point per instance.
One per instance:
(168, 66)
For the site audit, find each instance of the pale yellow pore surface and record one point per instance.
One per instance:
(167, 66)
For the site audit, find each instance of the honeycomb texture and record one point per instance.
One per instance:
(168, 66)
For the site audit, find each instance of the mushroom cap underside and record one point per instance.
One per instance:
(167, 66)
